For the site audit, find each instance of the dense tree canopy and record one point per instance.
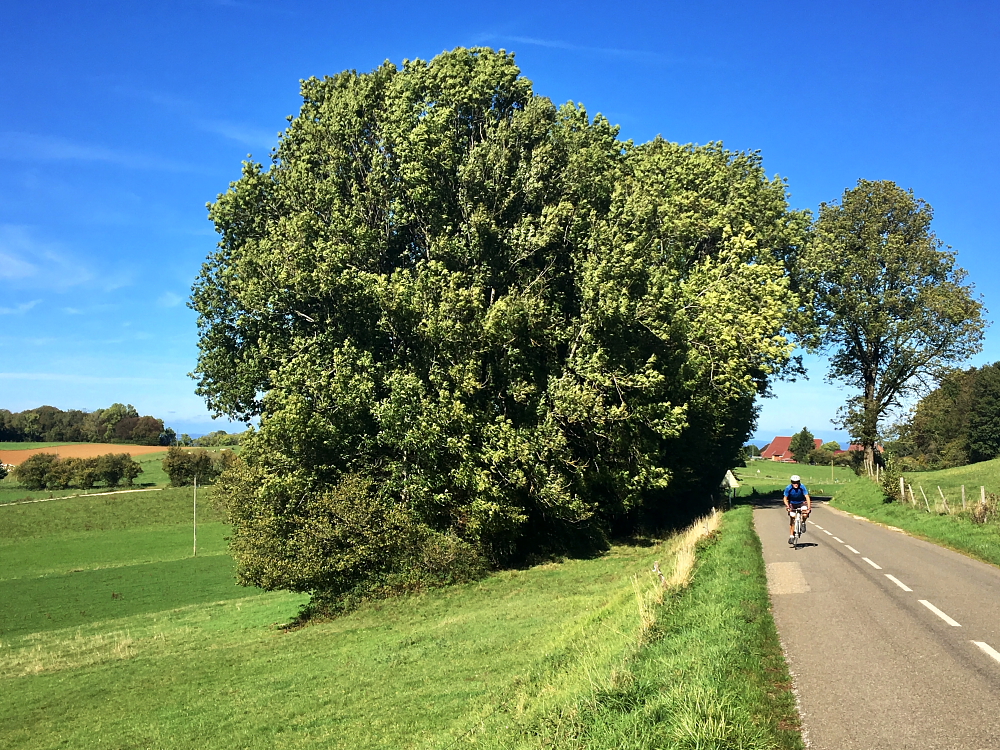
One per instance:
(895, 309)
(955, 424)
(474, 324)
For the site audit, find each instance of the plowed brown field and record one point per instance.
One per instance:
(79, 450)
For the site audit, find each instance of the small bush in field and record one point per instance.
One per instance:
(182, 466)
(33, 473)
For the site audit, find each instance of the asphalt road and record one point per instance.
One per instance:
(892, 642)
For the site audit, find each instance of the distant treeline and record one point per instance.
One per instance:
(119, 423)
(958, 423)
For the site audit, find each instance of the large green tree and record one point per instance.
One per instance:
(474, 324)
(802, 445)
(894, 307)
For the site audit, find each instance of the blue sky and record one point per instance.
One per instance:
(119, 121)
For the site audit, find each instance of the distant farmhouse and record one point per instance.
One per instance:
(779, 450)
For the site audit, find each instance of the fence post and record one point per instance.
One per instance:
(912, 498)
(925, 497)
(963, 497)
(944, 500)
(982, 495)
(902, 491)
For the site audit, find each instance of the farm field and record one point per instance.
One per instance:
(102, 604)
(152, 475)
(74, 450)
(771, 476)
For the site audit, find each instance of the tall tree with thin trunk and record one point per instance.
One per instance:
(894, 308)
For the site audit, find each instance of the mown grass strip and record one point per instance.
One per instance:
(706, 672)
(957, 532)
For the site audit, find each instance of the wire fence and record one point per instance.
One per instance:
(977, 504)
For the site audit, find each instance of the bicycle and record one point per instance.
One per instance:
(799, 526)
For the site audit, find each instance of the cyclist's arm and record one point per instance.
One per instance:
(809, 503)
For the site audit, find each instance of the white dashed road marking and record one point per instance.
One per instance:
(988, 650)
(817, 525)
(828, 533)
(874, 565)
(837, 538)
(898, 582)
(939, 613)
(853, 550)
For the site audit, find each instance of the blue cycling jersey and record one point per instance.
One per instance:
(796, 495)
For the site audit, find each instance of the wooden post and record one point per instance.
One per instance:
(912, 498)
(963, 497)
(982, 500)
(195, 516)
(925, 497)
(944, 500)
(902, 491)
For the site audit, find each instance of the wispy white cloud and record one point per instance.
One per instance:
(19, 309)
(245, 134)
(14, 267)
(33, 262)
(637, 55)
(62, 377)
(559, 44)
(169, 299)
(35, 147)
(241, 132)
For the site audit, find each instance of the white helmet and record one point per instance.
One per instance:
(795, 478)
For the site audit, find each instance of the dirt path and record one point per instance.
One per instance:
(82, 494)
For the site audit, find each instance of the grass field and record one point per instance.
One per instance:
(983, 474)
(28, 446)
(112, 635)
(771, 476)
(954, 530)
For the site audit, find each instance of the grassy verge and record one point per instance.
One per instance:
(102, 605)
(957, 532)
(704, 670)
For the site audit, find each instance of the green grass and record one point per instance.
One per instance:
(710, 673)
(112, 635)
(957, 531)
(984, 474)
(29, 446)
(770, 476)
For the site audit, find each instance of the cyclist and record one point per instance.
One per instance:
(796, 495)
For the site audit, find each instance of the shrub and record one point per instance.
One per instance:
(183, 466)
(890, 483)
(33, 473)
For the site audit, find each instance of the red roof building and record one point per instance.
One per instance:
(779, 449)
